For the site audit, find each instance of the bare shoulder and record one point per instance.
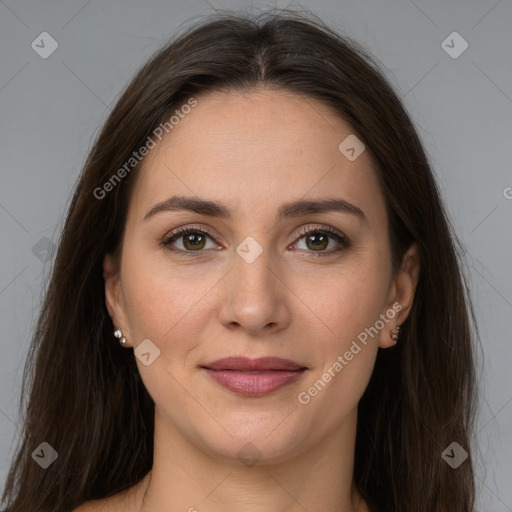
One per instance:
(85, 507)
(103, 505)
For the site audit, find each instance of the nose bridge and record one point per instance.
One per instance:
(253, 267)
(253, 299)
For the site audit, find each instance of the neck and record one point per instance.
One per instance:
(192, 479)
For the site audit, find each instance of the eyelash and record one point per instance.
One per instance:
(327, 230)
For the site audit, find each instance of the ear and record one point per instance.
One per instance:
(401, 294)
(114, 296)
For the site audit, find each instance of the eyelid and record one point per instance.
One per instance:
(324, 229)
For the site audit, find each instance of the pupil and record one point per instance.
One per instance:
(318, 240)
(194, 239)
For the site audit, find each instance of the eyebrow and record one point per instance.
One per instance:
(288, 210)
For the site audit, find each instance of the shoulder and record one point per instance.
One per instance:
(112, 504)
(95, 506)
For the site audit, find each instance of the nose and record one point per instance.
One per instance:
(255, 297)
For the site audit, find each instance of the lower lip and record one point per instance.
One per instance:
(254, 383)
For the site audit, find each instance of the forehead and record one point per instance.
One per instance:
(249, 150)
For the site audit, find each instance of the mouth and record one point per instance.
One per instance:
(254, 377)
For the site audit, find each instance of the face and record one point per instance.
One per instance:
(312, 286)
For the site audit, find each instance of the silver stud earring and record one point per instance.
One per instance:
(394, 335)
(119, 335)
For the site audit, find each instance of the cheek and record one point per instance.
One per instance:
(354, 298)
(158, 295)
(151, 307)
(346, 356)
(164, 306)
(350, 309)
(170, 305)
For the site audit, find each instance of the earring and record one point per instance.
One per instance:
(119, 335)
(394, 335)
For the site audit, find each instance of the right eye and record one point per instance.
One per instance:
(192, 240)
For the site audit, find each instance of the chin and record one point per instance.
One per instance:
(252, 438)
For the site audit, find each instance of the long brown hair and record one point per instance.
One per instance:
(85, 396)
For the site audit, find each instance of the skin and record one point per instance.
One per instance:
(253, 152)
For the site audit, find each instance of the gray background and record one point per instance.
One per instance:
(51, 109)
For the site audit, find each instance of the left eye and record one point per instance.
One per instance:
(317, 240)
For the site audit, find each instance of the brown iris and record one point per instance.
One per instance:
(195, 239)
(320, 241)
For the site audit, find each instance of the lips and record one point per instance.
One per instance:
(254, 377)
(245, 364)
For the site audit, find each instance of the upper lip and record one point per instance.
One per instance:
(247, 364)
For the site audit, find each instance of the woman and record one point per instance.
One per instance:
(259, 228)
